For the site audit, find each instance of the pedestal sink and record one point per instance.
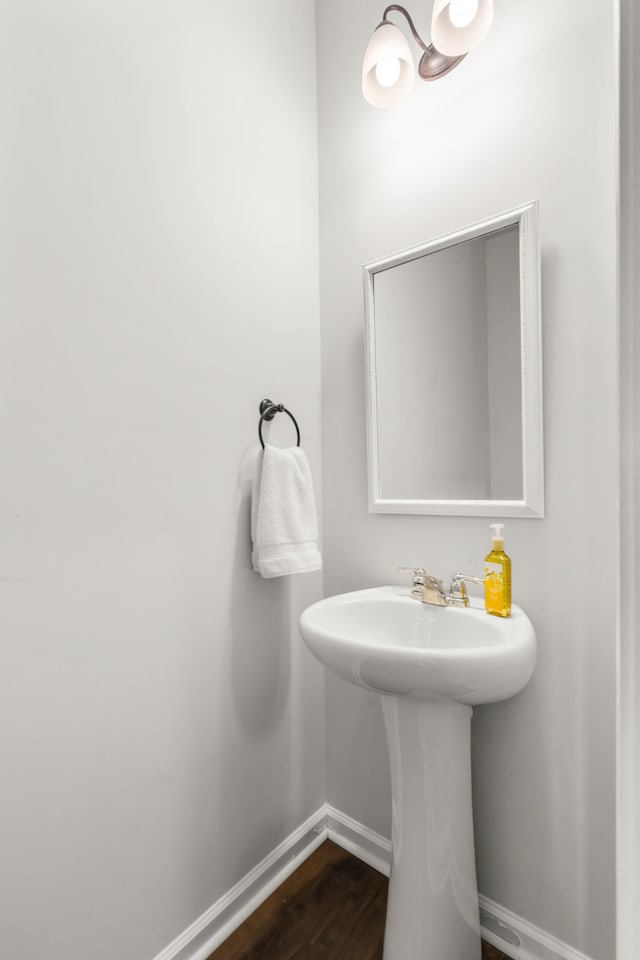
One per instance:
(431, 665)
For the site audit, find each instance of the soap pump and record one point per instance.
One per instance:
(497, 573)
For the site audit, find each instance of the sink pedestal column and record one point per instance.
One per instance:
(432, 911)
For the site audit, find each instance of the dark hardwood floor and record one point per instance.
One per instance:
(331, 908)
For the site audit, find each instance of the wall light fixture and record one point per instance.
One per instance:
(388, 73)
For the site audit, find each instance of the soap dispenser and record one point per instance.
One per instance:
(497, 572)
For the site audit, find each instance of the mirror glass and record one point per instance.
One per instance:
(453, 362)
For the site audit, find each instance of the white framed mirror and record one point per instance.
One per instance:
(454, 373)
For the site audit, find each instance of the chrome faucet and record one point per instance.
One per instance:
(429, 589)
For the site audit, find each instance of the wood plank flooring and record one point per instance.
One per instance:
(331, 908)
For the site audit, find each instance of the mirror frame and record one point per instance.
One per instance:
(532, 503)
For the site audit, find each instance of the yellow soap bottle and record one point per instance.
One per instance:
(497, 573)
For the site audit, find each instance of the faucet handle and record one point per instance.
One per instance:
(419, 573)
(458, 595)
(419, 576)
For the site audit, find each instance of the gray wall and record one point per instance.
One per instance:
(517, 121)
(162, 724)
(628, 832)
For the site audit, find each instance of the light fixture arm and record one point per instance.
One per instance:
(406, 14)
(433, 64)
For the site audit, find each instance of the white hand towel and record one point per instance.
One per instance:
(284, 524)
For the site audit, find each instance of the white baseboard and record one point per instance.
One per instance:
(359, 840)
(520, 939)
(515, 937)
(206, 933)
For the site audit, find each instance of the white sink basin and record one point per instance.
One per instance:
(431, 664)
(386, 641)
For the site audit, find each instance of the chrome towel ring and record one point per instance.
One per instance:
(268, 410)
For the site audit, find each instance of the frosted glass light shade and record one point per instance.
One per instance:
(454, 41)
(387, 43)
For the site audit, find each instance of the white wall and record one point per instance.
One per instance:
(526, 116)
(161, 722)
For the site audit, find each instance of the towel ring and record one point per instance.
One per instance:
(268, 410)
